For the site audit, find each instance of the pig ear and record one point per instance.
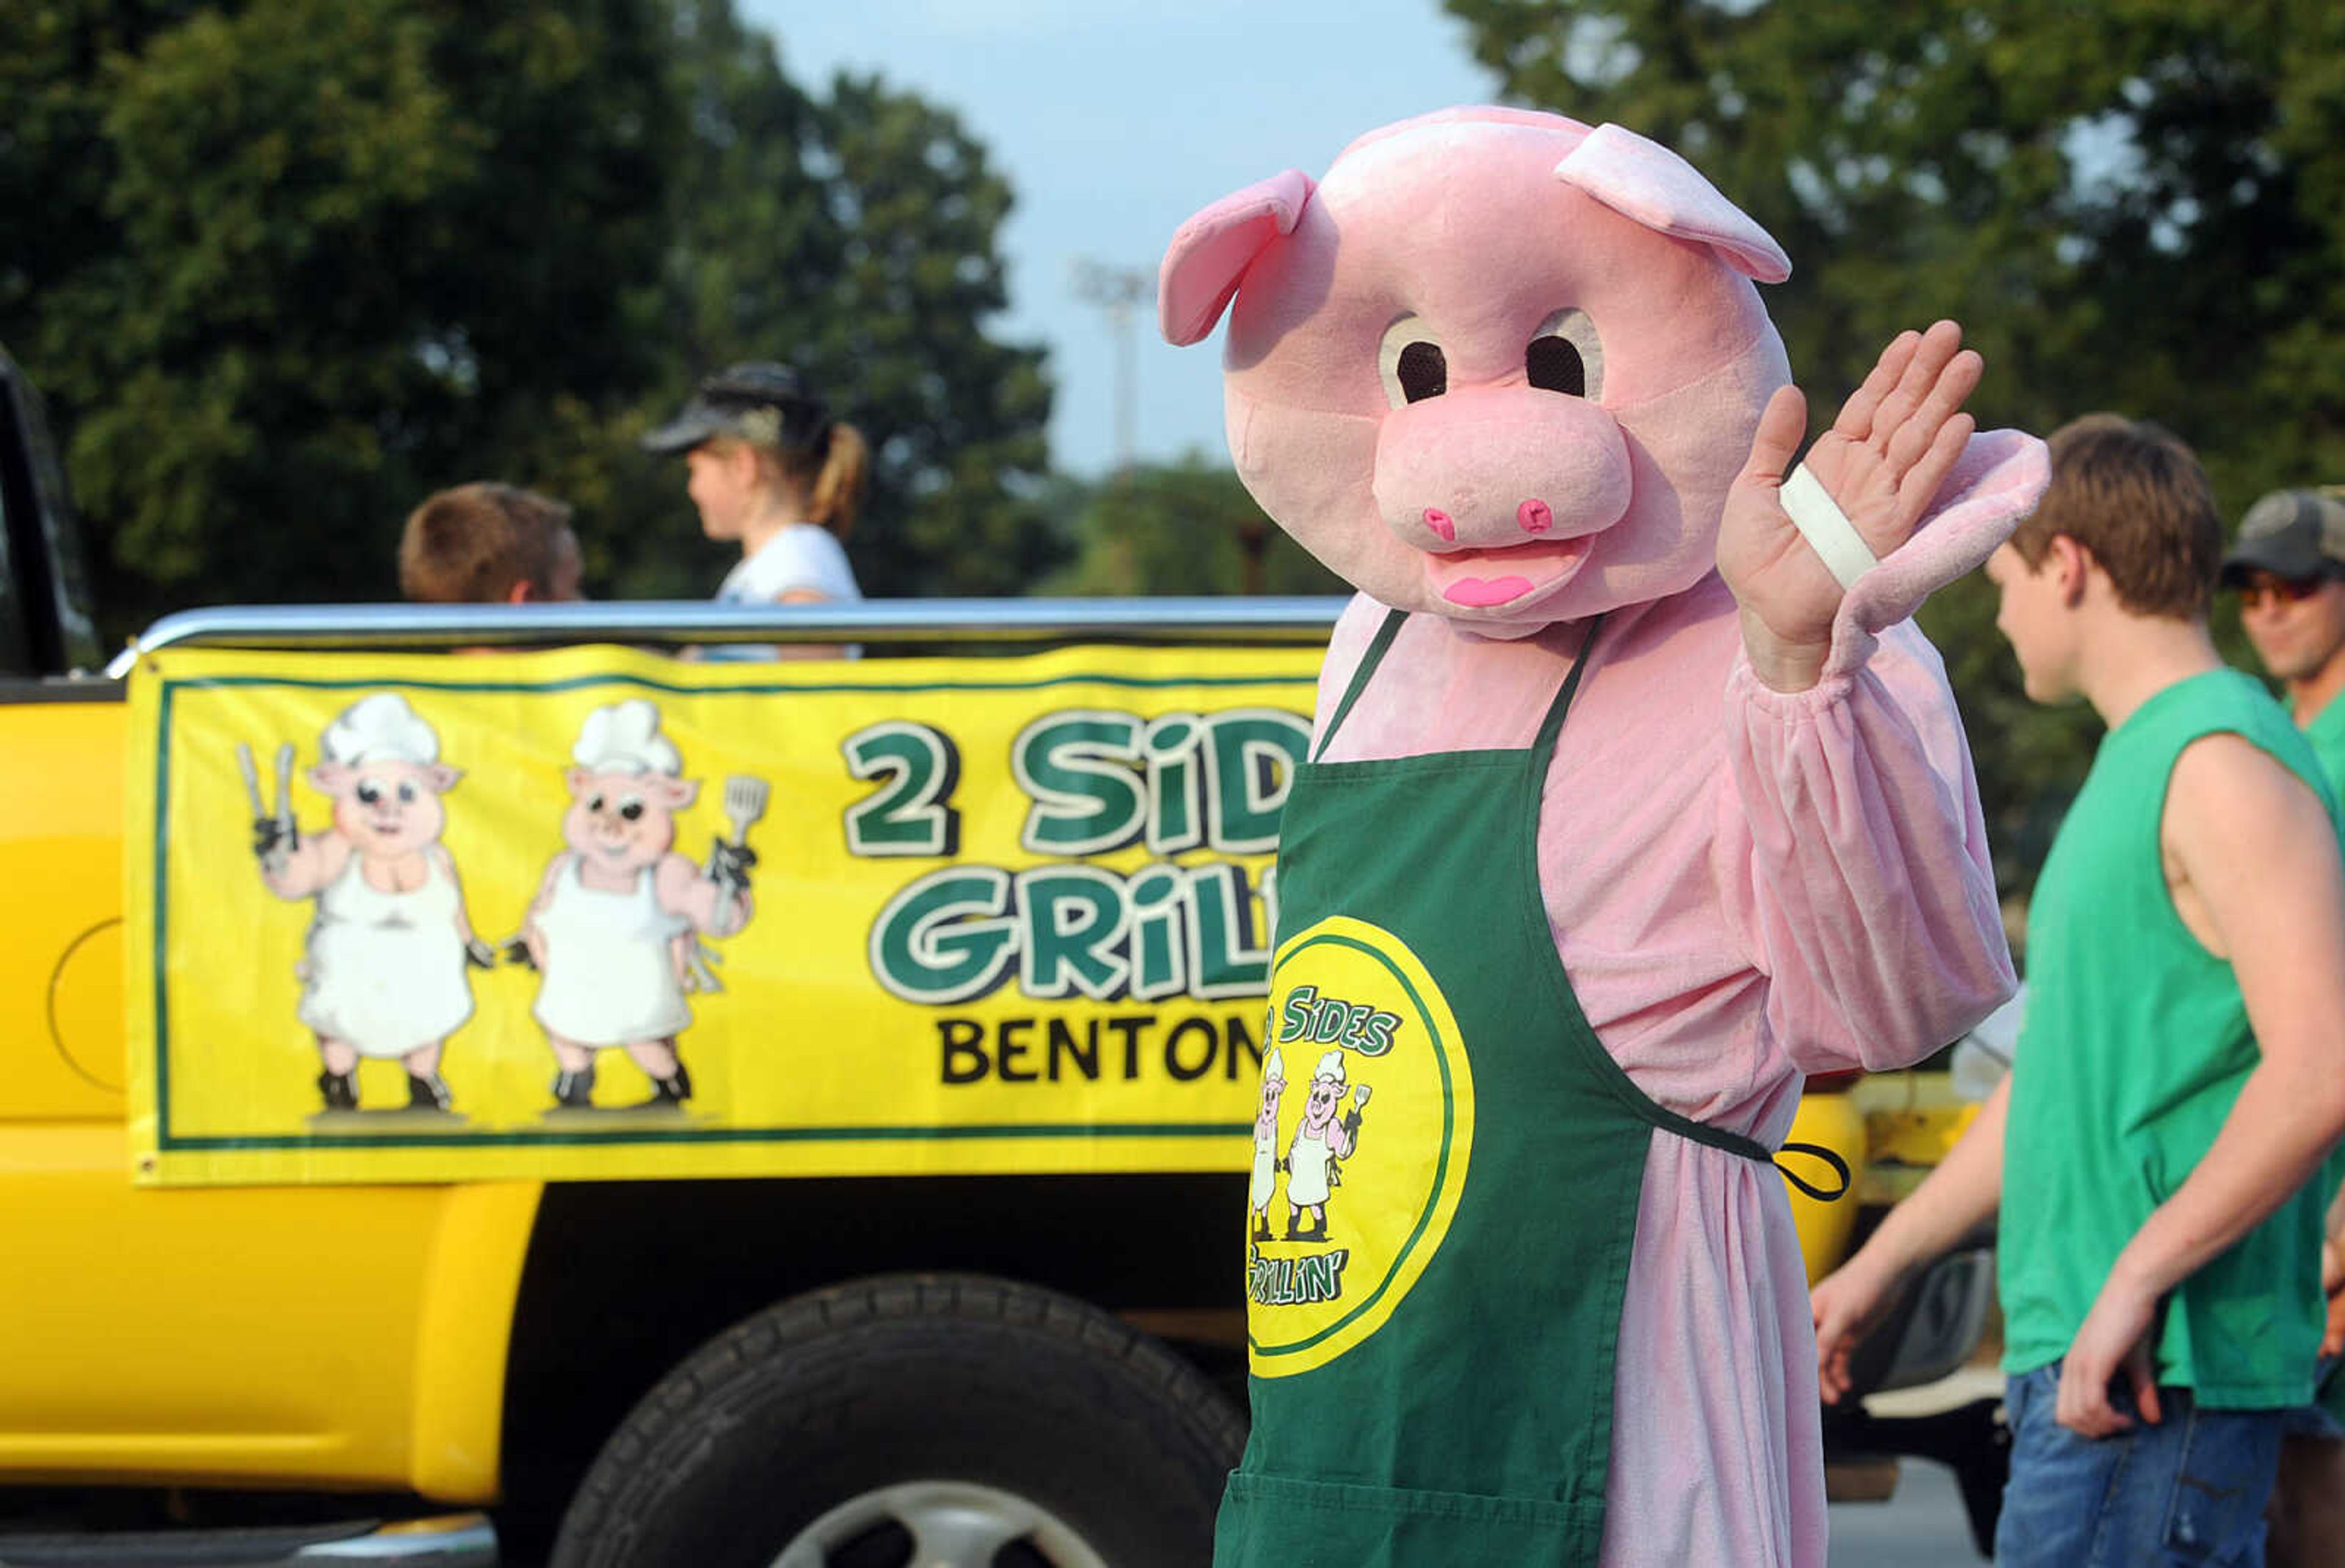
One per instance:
(576, 778)
(443, 777)
(1212, 251)
(1645, 181)
(330, 778)
(673, 793)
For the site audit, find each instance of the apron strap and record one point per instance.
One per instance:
(1636, 1099)
(1839, 1167)
(1552, 726)
(1368, 662)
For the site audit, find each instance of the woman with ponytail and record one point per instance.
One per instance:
(773, 470)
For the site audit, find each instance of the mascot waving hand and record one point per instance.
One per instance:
(1634, 796)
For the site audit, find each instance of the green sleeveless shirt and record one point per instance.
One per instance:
(2134, 1047)
(2327, 734)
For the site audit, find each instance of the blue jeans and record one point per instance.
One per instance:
(2190, 1489)
(2324, 1418)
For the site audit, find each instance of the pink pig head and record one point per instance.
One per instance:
(1327, 1092)
(380, 760)
(625, 788)
(1496, 366)
(623, 820)
(387, 806)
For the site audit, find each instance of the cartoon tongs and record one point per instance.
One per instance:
(275, 834)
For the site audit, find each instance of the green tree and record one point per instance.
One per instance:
(2137, 205)
(283, 266)
(1185, 527)
(954, 410)
(313, 255)
(853, 236)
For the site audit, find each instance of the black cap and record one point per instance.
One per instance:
(2293, 533)
(762, 402)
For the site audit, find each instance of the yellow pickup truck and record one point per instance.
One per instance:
(561, 1100)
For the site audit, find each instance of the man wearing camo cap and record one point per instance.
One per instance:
(2288, 567)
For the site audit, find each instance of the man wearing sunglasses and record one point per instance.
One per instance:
(2288, 567)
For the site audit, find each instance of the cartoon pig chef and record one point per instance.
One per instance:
(384, 971)
(1264, 1181)
(1319, 1142)
(615, 920)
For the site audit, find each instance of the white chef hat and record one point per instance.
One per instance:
(1331, 1065)
(625, 738)
(1274, 1065)
(379, 727)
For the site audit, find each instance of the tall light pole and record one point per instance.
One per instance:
(1115, 290)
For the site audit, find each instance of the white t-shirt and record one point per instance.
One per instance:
(804, 557)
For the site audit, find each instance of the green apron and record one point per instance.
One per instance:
(1432, 1340)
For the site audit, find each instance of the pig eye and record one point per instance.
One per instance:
(406, 792)
(1565, 356)
(369, 793)
(1410, 363)
(632, 809)
(594, 803)
(1555, 365)
(1424, 372)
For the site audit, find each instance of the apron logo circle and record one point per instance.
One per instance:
(1361, 1141)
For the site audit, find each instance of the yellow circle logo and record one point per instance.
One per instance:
(1361, 1141)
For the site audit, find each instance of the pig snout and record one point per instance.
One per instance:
(1487, 469)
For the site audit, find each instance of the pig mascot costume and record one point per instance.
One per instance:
(1509, 377)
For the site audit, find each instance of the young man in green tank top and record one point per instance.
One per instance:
(2288, 567)
(2180, 1074)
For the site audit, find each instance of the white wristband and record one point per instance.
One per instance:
(1826, 528)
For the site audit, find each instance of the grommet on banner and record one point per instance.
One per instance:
(1825, 526)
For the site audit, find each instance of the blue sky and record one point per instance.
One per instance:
(1115, 119)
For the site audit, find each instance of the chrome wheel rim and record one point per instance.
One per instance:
(948, 1523)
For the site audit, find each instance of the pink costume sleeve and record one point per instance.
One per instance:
(1853, 860)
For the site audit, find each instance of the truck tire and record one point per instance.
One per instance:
(936, 1420)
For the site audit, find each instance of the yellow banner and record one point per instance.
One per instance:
(597, 912)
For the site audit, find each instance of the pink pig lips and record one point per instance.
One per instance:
(1524, 569)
